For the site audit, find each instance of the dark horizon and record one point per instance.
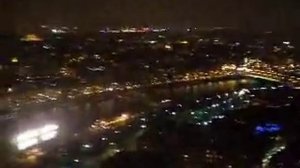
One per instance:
(27, 15)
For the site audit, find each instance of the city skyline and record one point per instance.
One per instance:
(22, 16)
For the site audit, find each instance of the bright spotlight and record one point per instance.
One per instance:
(26, 144)
(27, 135)
(33, 137)
(48, 128)
(49, 135)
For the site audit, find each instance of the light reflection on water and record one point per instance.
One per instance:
(78, 114)
(206, 89)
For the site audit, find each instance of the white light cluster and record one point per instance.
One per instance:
(243, 92)
(33, 137)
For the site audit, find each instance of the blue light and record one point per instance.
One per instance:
(267, 128)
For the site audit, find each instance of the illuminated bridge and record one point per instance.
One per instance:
(262, 77)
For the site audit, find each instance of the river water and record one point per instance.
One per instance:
(76, 115)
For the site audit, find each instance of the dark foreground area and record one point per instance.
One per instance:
(261, 135)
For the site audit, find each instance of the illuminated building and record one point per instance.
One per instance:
(267, 128)
(14, 60)
(31, 38)
(229, 67)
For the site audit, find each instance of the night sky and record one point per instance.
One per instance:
(89, 14)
